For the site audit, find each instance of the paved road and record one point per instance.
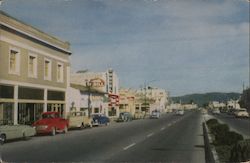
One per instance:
(168, 139)
(241, 126)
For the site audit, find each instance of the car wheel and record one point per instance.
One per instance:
(2, 139)
(65, 129)
(25, 136)
(53, 131)
(82, 126)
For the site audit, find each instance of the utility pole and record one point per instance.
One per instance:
(88, 85)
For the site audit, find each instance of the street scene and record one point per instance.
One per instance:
(124, 81)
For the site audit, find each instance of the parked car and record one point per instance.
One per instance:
(155, 114)
(179, 112)
(77, 119)
(51, 123)
(125, 117)
(99, 119)
(8, 132)
(241, 113)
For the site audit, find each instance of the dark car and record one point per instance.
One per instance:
(125, 117)
(100, 119)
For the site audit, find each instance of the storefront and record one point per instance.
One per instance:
(6, 104)
(28, 104)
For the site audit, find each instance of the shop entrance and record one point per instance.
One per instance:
(28, 113)
(56, 108)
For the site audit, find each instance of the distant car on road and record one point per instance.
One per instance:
(51, 123)
(100, 119)
(155, 114)
(125, 117)
(241, 113)
(179, 112)
(216, 111)
(8, 132)
(204, 111)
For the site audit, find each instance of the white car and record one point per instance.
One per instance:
(216, 111)
(8, 132)
(241, 113)
(179, 112)
(155, 114)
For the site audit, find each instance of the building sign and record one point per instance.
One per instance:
(97, 82)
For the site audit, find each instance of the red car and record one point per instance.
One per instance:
(51, 123)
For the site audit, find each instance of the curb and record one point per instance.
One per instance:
(211, 155)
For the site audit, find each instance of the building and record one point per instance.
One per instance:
(127, 101)
(34, 72)
(105, 82)
(233, 104)
(153, 98)
(86, 99)
(216, 104)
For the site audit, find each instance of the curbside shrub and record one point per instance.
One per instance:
(240, 151)
(212, 122)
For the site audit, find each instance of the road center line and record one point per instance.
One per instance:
(129, 146)
(150, 134)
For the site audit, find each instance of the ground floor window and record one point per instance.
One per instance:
(56, 108)
(28, 113)
(6, 113)
(96, 110)
(112, 111)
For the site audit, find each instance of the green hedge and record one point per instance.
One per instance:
(240, 151)
(229, 144)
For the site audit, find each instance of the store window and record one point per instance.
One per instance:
(56, 108)
(30, 93)
(32, 67)
(6, 91)
(6, 113)
(47, 69)
(28, 113)
(14, 61)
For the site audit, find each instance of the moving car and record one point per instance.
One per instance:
(51, 123)
(77, 119)
(216, 111)
(204, 111)
(125, 117)
(8, 132)
(99, 119)
(155, 114)
(179, 112)
(241, 113)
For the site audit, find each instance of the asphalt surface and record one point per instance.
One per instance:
(240, 125)
(168, 139)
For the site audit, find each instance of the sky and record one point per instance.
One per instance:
(183, 46)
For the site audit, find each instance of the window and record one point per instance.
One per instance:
(47, 69)
(32, 67)
(14, 59)
(60, 72)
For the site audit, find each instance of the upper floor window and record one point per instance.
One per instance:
(14, 61)
(32, 66)
(47, 69)
(59, 72)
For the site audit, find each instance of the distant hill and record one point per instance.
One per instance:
(202, 99)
